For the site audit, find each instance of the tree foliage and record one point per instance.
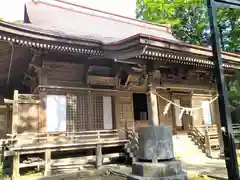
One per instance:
(189, 21)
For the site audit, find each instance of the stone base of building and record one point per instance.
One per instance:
(180, 176)
(158, 171)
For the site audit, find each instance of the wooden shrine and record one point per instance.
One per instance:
(84, 87)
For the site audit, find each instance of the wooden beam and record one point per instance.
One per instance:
(47, 166)
(35, 63)
(10, 66)
(86, 68)
(101, 80)
(16, 166)
(116, 73)
(37, 68)
(8, 101)
(99, 158)
(28, 76)
(130, 61)
(15, 114)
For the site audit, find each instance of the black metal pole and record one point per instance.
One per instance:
(225, 117)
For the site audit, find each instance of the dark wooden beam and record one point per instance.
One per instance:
(36, 61)
(123, 54)
(10, 65)
(130, 61)
(86, 68)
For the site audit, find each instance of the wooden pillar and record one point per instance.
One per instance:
(16, 166)
(116, 113)
(42, 77)
(98, 156)
(152, 108)
(174, 125)
(43, 117)
(15, 114)
(187, 119)
(47, 165)
(90, 110)
(122, 131)
(152, 101)
(216, 116)
(208, 144)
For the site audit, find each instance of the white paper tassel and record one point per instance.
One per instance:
(166, 108)
(191, 112)
(181, 113)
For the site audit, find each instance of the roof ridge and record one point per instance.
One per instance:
(166, 26)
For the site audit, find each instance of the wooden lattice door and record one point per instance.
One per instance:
(126, 113)
(97, 116)
(77, 113)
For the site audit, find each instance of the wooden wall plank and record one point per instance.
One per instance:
(126, 112)
(60, 73)
(28, 118)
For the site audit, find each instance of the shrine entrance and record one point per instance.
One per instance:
(140, 110)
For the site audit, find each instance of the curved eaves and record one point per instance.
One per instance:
(35, 34)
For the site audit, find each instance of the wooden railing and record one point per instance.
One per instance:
(207, 138)
(236, 133)
(48, 143)
(198, 137)
(66, 138)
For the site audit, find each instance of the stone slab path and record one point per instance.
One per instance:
(194, 161)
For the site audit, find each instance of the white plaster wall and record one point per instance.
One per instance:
(56, 113)
(107, 112)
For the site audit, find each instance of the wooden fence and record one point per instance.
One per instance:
(25, 113)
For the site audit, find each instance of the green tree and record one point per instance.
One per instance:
(189, 20)
(229, 23)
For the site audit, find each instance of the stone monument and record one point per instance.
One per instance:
(155, 158)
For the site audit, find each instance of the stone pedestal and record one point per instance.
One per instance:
(155, 143)
(155, 156)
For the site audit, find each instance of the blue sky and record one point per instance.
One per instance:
(11, 10)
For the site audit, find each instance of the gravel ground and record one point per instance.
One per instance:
(103, 177)
(92, 174)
